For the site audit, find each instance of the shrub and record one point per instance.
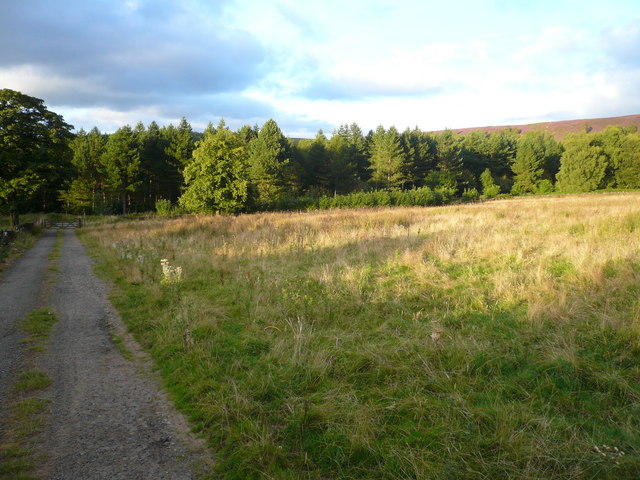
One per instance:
(470, 195)
(163, 207)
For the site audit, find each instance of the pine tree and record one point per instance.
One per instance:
(269, 159)
(181, 144)
(343, 155)
(121, 164)
(419, 149)
(317, 166)
(489, 187)
(88, 183)
(388, 160)
(449, 154)
(537, 162)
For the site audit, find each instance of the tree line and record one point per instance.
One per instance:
(258, 168)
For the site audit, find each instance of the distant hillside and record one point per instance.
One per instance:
(560, 129)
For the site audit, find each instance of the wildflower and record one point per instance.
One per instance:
(610, 453)
(170, 274)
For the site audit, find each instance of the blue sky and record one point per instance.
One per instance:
(312, 65)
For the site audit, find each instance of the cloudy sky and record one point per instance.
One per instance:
(311, 65)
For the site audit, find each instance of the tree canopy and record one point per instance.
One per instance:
(35, 157)
(44, 166)
(217, 178)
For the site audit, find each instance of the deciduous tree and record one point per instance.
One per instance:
(34, 154)
(217, 179)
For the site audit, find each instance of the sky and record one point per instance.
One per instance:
(314, 65)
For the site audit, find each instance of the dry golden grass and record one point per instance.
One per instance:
(367, 342)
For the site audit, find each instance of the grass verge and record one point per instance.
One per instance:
(28, 409)
(498, 340)
(18, 246)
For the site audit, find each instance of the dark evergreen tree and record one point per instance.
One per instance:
(537, 162)
(475, 152)
(419, 149)
(181, 143)
(388, 159)
(159, 172)
(343, 168)
(88, 184)
(248, 134)
(449, 155)
(121, 164)
(269, 159)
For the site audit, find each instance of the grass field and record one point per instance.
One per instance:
(492, 340)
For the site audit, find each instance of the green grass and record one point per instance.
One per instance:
(124, 351)
(38, 325)
(27, 413)
(30, 380)
(54, 255)
(487, 341)
(23, 241)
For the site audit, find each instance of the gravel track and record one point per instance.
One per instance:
(108, 418)
(21, 291)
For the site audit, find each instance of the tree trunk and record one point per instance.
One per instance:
(124, 203)
(15, 219)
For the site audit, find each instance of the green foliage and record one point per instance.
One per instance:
(419, 149)
(34, 152)
(388, 159)
(132, 169)
(164, 207)
(159, 171)
(438, 179)
(583, 164)
(627, 167)
(87, 149)
(121, 164)
(343, 163)
(217, 178)
(423, 197)
(449, 154)
(316, 164)
(489, 188)
(180, 144)
(269, 158)
(470, 195)
(538, 158)
(545, 186)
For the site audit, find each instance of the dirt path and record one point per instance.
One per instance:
(21, 288)
(108, 419)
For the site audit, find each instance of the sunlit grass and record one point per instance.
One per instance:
(493, 340)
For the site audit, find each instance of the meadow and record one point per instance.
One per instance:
(489, 340)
